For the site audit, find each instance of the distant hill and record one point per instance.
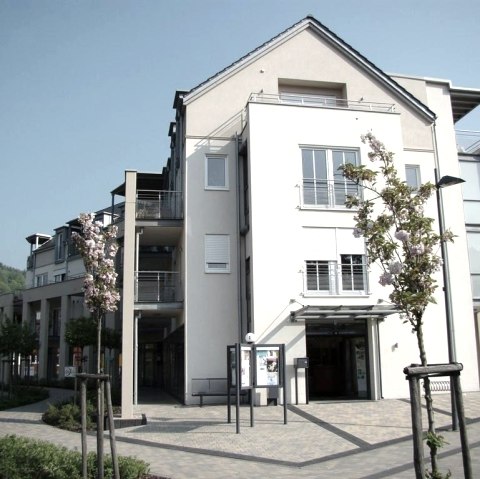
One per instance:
(11, 279)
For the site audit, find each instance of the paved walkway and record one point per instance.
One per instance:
(351, 439)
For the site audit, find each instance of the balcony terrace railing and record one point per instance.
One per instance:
(157, 286)
(326, 193)
(468, 141)
(319, 101)
(156, 205)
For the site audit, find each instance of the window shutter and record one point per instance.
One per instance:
(217, 253)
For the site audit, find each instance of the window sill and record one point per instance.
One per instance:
(339, 209)
(349, 294)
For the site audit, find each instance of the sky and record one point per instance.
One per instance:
(87, 86)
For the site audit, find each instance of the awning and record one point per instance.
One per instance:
(376, 311)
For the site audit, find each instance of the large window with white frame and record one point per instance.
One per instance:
(217, 253)
(216, 172)
(349, 276)
(323, 183)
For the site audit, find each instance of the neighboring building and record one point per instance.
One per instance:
(245, 230)
(53, 295)
(469, 157)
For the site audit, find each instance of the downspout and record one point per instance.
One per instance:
(239, 244)
(135, 320)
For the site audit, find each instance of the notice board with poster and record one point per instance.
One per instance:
(268, 366)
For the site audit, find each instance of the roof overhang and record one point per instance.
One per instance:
(464, 100)
(145, 181)
(312, 313)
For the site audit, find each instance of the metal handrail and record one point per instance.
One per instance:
(324, 193)
(159, 204)
(157, 286)
(320, 101)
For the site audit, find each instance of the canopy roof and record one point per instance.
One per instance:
(376, 311)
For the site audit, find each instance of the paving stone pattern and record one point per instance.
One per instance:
(351, 439)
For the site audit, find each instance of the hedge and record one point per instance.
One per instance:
(23, 458)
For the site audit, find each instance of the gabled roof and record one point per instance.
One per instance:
(331, 38)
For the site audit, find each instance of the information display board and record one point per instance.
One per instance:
(267, 366)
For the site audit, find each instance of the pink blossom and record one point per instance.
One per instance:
(395, 267)
(402, 235)
(386, 279)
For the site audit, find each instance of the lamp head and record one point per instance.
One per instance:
(448, 181)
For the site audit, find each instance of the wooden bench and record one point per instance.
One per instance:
(202, 387)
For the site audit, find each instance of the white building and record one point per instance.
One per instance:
(245, 230)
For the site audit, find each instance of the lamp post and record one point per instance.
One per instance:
(441, 183)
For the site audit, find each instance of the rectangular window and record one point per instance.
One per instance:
(323, 181)
(473, 240)
(217, 253)
(59, 246)
(412, 176)
(353, 272)
(41, 280)
(471, 190)
(321, 276)
(216, 173)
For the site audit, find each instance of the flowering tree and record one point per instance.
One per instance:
(98, 248)
(400, 238)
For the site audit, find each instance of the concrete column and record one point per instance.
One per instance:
(64, 317)
(43, 339)
(128, 297)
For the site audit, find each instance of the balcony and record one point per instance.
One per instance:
(158, 287)
(159, 205)
(316, 193)
(318, 101)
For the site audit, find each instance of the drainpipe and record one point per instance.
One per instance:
(135, 358)
(239, 244)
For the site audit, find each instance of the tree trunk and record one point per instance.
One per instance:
(428, 401)
(100, 415)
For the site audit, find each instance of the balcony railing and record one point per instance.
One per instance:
(319, 101)
(157, 286)
(156, 205)
(468, 141)
(326, 193)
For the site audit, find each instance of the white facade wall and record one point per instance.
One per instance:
(211, 299)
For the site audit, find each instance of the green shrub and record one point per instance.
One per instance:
(21, 396)
(66, 415)
(27, 458)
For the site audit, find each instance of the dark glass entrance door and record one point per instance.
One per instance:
(338, 360)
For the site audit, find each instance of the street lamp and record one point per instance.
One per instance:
(441, 183)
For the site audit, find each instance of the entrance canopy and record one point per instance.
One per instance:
(376, 311)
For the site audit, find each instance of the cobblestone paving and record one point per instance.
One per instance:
(358, 440)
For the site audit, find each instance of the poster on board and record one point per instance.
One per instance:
(267, 366)
(246, 365)
(246, 373)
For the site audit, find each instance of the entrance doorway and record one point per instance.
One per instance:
(338, 356)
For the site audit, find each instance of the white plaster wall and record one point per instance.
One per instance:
(303, 57)
(464, 324)
(211, 299)
(283, 237)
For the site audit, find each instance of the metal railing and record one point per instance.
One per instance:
(159, 204)
(157, 286)
(320, 101)
(332, 278)
(326, 193)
